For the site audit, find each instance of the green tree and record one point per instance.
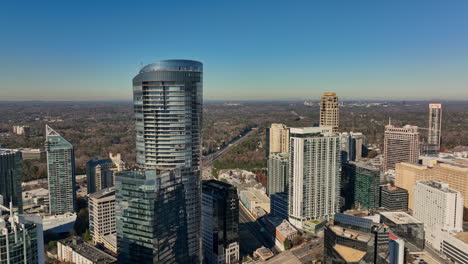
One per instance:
(87, 235)
(287, 244)
(52, 245)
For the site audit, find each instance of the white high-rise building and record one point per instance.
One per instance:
(314, 174)
(401, 144)
(435, 124)
(438, 207)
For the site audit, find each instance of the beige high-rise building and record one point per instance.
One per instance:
(329, 111)
(401, 144)
(456, 175)
(102, 217)
(278, 138)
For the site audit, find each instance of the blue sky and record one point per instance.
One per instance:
(90, 50)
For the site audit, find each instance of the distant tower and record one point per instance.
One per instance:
(277, 139)
(401, 144)
(10, 178)
(435, 123)
(61, 173)
(329, 111)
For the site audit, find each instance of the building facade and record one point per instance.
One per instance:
(102, 214)
(314, 174)
(279, 205)
(435, 126)
(11, 178)
(366, 181)
(220, 223)
(75, 250)
(277, 139)
(393, 198)
(60, 173)
(329, 111)
(278, 169)
(19, 243)
(406, 227)
(438, 206)
(168, 99)
(150, 212)
(100, 173)
(401, 144)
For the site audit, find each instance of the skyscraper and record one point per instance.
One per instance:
(329, 111)
(11, 178)
(435, 124)
(220, 223)
(102, 214)
(277, 139)
(61, 173)
(278, 169)
(168, 98)
(401, 144)
(314, 174)
(150, 217)
(100, 173)
(366, 180)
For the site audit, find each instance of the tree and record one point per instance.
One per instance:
(87, 235)
(223, 180)
(52, 245)
(82, 221)
(287, 244)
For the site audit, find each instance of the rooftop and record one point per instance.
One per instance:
(463, 236)
(173, 65)
(104, 193)
(400, 218)
(349, 233)
(310, 130)
(349, 254)
(282, 225)
(88, 251)
(441, 186)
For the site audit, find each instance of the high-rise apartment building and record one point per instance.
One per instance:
(353, 146)
(61, 173)
(277, 139)
(435, 125)
(102, 215)
(401, 144)
(11, 178)
(329, 111)
(366, 181)
(168, 99)
(314, 174)
(455, 175)
(438, 206)
(150, 217)
(100, 173)
(278, 169)
(220, 223)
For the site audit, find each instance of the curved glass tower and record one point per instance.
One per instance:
(168, 97)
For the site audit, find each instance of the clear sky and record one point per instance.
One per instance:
(81, 50)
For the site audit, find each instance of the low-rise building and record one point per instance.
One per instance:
(253, 198)
(75, 250)
(405, 226)
(313, 226)
(281, 229)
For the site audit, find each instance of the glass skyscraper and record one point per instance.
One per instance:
(11, 178)
(168, 98)
(61, 173)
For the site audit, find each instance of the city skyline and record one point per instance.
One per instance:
(369, 51)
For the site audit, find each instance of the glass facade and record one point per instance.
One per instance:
(18, 243)
(168, 99)
(61, 173)
(365, 181)
(150, 217)
(11, 178)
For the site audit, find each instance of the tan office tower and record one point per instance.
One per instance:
(329, 111)
(102, 217)
(401, 144)
(456, 175)
(435, 123)
(278, 139)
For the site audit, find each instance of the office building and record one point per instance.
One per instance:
(100, 173)
(366, 181)
(454, 175)
(22, 130)
(279, 205)
(314, 174)
(278, 168)
(75, 250)
(438, 206)
(396, 250)
(393, 198)
(405, 227)
(351, 239)
(353, 146)
(435, 125)
(220, 223)
(151, 229)
(11, 178)
(277, 139)
(401, 144)
(102, 214)
(19, 240)
(329, 111)
(60, 173)
(453, 246)
(168, 100)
